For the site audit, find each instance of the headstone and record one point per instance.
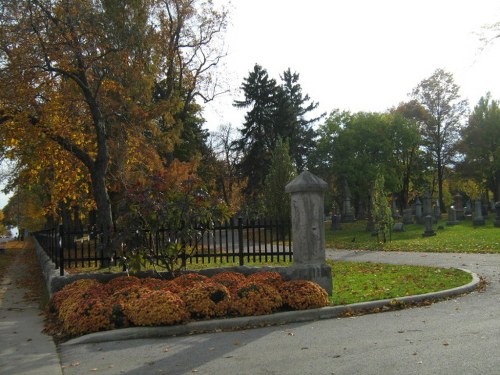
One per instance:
(394, 208)
(407, 216)
(427, 209)
(418, 211)
(452, 216)
(478, 218)
(497, 216)
(336, 222)
(437, 211)
(484, 208)
(459, 208)
(428, 227)
(347, 211)
(308, 230)
(398, 227)
(468, 209)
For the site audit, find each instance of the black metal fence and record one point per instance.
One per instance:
(238, 241)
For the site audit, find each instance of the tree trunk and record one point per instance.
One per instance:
(104, 216)
(440, 185)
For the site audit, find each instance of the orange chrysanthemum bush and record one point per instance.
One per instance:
(253, 298)
(187, 280)
(122, 282)
(86, 311)
(154, 283)
(155, 307)
(76, 287)
(207, 299)
(303, 294)
(267, 277)
(231, 280)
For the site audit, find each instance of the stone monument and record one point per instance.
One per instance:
(459, 206)
(428, 226)
(308, 230)
(478, 218)
(452, 216)
(418, 211)
(497, 216)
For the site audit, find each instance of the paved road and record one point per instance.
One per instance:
(458, 336)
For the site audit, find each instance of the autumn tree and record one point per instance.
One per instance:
(439, 95)
(83, 76)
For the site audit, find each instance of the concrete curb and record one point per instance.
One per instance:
(286, 317)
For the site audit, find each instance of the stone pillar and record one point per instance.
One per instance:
(497, 217)
(437, 211)
(459, 206)
(418, 211)
(407, 216)
(428, 226)
(452, 216)
(427, 204)
(478, 218)
(308, 230)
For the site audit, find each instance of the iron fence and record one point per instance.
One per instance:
(241, 241)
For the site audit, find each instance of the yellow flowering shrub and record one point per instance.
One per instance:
(207, 300)
(253, 298)
(303, 294)
(155, 307)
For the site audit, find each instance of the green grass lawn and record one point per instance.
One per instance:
(355, 282)
(460, 238)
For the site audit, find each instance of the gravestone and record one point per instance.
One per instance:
(459, 207)
(347, 211)
(308, 230)
(336, 222)
(452, 216)
(407, 216)
(418, 211)
(394, 208)
(428, 227)
(497, 217)
(437, 211)
(468, 209)
(398, 227)
(478, 218)
(427, 202)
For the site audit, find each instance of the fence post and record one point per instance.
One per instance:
(240, 240)
(60, 243)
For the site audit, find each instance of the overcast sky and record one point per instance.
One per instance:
(359, 55)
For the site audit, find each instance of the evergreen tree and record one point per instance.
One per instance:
(275, 111)
(281, 172)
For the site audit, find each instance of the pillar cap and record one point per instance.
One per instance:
(304, 182)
